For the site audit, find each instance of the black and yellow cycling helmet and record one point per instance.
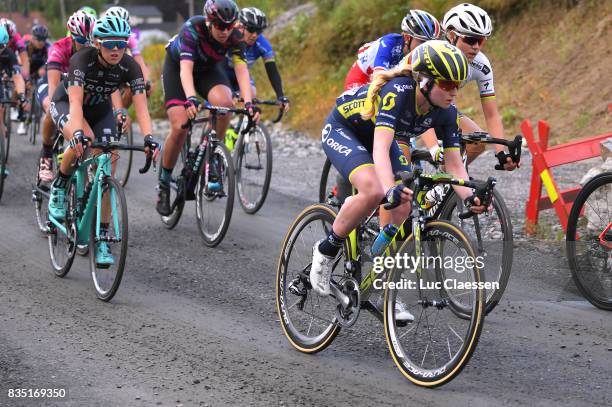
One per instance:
(439, 60)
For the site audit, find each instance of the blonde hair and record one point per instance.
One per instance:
(379, 80)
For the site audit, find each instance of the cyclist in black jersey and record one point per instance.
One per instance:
(83, 106)
(37, 49)
(9, 66)
(360, 135)
(194, 65)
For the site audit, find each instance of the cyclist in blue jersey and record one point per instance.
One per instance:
(254, 22)
(359, 138)
(386, 52)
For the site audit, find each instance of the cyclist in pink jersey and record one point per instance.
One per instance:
(17, 45)
(79, 24)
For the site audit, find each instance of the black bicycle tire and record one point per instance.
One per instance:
(63, 270)
(323, 181)
(2, 163)
(429, 380)
(230, 189)
(124, 243)
(173, 219)
(7, 136)
(508, 246)
(127, 155)
(268, 175)
(326, 214)
(570, 239)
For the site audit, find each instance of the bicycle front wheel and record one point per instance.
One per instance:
(177, 188)
(108, 250)
(2, 163)
(254, 168)
(307, 319)
(214, 206)
(589, 241)
(124, 159)
(436, 345)
(8, 126)
(491, 236)
(62, 243)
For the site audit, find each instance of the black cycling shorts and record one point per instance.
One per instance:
(100, 117)
(204, 81)
(348, 153)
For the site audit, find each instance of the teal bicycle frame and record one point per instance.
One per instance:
(83, 216)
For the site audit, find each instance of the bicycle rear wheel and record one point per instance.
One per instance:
(2, 163)
(214, 208)
(62, 246)
(307, 319)
(491, 237)
(254, 168)
(35, 116)
(433, 349)
(589, 241)
(107, 277)
(124, 163)
(177, 188)
(333, 188)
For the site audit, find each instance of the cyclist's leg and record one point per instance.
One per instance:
(469, 126)
(216, 86)
(45, 173)
(354, 161)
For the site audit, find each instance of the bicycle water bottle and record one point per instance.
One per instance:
(383, 239)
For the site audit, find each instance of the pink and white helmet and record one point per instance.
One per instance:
(10, 26)
(80, 24)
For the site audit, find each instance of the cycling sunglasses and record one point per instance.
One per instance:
(448, 85)
(111, 44)
(254, 30)
(469, 40)
(224, 27)
(80, 40)
(43, 39)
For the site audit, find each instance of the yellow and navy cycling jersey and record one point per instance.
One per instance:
(396, 109)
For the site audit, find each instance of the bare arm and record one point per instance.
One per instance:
(53, 79)
(187, 78)
(493, 120)
(244, 81)
(142, 114)
(145, 69)
(75, 97)
(25, 63)
(382, 142)
(19, 83)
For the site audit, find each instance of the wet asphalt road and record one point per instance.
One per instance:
(197, 326)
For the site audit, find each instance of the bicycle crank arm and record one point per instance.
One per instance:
(339, 295)
(109, 239)
(253, 167)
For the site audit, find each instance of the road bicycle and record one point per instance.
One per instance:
(34, 115)
(252, 151)
(205, 173)
(436, 346)
(6, 101)
(589, 241)
(91, 192)
(491, 232)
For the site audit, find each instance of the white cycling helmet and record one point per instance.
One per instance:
(468, 19)
(118, 11)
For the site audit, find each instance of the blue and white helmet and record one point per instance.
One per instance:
(421, 25)
(111, 26)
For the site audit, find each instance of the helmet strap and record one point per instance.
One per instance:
(106, 63)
